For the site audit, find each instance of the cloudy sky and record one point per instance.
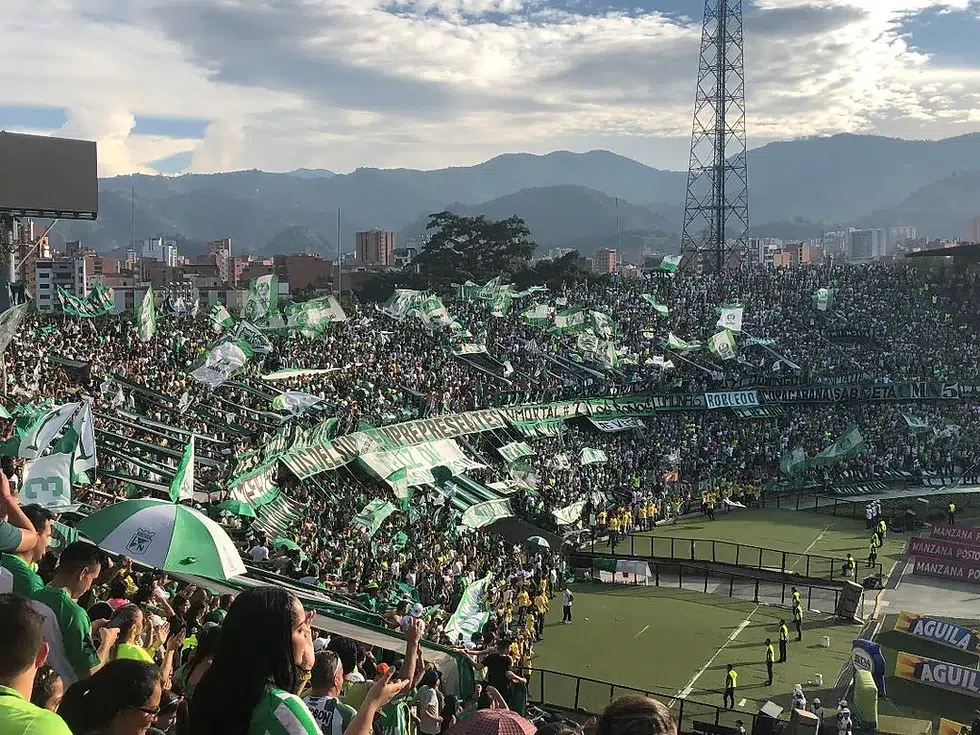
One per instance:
(212, 85)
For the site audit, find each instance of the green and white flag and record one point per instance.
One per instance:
(538, 315)
(602, 324)
(722, 344)
(10, 321)
(570, 321)
(470, 615)
(146, 316)
(670, 263)
(730, 318)
(848, 445)
(515, 450)
(182, 486)
(431, 311)
(79, 442)
(98, 303)
(223, 360)
(916, 425)
(823, 299)
(295, 402)
(569, 514)
(262, 299)
(373, 515)
(676, 343)
(592, 456)
(792, 461)
(289, 373)
(220, 317)
(36, 429)
(528, 291)
(485, 513)
(250, 336)
(469, 349)
(47, 481)
(657, 306)
(311, 318)
(501, 301)
(400, 303)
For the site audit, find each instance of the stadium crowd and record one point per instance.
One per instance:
(143, 649)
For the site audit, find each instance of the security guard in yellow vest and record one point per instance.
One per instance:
(882, 529)
(798, 621)
(873, 551)
(770, 659)
(783, 638)
(731, 684)
(951, 513)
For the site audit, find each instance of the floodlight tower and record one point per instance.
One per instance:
(716, 207)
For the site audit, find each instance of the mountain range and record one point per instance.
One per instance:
(583, 200)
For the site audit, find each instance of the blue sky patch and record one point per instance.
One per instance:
(14, 118)
(170, 127)
(175, 164)
(948, 37)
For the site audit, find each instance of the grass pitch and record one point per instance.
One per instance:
(677, 642)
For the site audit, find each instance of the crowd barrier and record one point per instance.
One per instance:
(580, 694)
(655, 546)
(676, 575)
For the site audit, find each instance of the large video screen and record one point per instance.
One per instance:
(48, 176)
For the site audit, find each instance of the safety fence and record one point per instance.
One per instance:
(679, 575)
(579, 694)
(810, 566)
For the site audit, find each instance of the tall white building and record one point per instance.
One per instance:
(156, 248)
(866, 245)
(49, 274)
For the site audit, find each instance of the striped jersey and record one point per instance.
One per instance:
(281, 713)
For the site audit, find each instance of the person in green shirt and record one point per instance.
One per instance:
(323, 699)
(22, 654)
(21, 564)
(16, 532)
(67, 628)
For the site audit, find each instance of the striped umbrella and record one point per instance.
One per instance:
(166, 536)
(539, 541)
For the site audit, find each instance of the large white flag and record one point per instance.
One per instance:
(182, 486)
(42, 429)
(730, 318)
(47, 481)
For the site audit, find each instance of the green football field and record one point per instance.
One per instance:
(793, 533)
(678, 642)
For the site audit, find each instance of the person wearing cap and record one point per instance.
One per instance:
(818, 713)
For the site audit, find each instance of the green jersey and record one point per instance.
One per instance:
(26, 581)
(20, 717)
(68, 631)
(281, 713)
(332, 715)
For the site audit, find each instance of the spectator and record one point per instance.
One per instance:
(264, 647)
(21, 656)
(48, 689)
(17, 533)
(21, 563)
(323, 700)
(122, 698)
(67, 628)
(636, 715)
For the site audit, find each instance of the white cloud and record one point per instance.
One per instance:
(345, 83)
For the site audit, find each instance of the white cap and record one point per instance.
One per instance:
(417, 610)
(319, 643)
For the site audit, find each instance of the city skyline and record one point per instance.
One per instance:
(168, 86)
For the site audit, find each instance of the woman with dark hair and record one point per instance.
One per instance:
(202, 656)
(636, 715)
(172, 717)
(121, 698)
(129, 620)
(263, 654)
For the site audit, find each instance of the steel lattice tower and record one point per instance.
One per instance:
(716, 208)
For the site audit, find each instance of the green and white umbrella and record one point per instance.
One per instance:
(238, 508)
(166, 536)
(539, 541)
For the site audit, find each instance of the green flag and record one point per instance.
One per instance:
(182, 486)
(97, 303)
(262, 299)
(670, 263)
(722, 344)
(220, 317)
(792, 461)
(146, 316)
(538, 315)
(848, 445)
(311, 318)
(676, 343)
(661, 309)
(823, 299)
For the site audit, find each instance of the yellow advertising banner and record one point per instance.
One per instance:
(942, 674)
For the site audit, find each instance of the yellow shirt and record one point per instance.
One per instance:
(523, 599)
(541, 603)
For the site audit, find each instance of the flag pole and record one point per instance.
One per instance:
(691, 362)
(773, 352)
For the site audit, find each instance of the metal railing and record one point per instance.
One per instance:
(653, 547)
(680, 575)
(579, 694)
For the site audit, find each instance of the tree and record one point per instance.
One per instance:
(474, 248)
